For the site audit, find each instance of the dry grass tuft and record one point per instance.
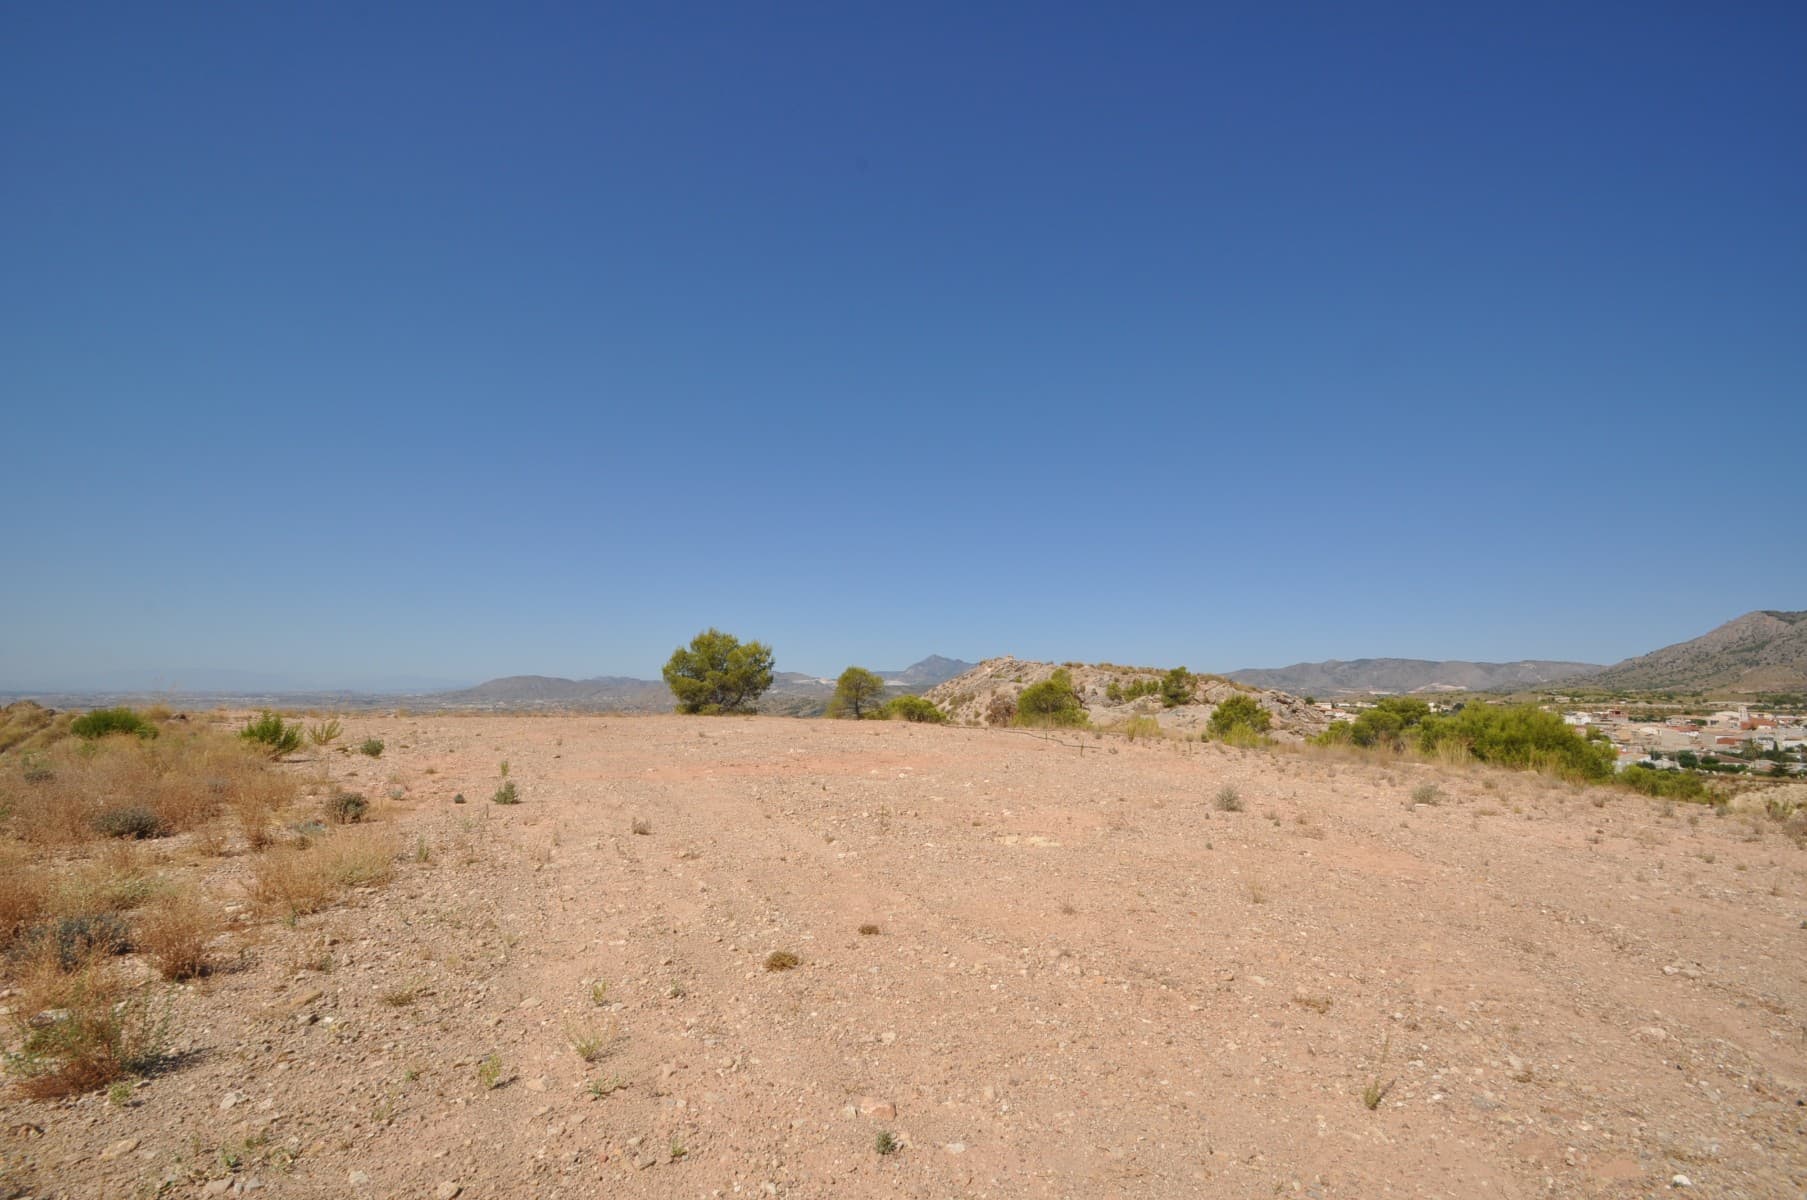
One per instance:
(781, 960)
(174, 932)
(79, 1031)
(24, 895)
(297, 880)
(76, 790)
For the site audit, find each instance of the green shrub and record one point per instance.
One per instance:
(1671, 785)
(913, 708)
(1052, 702)
(102, 721)
(1385, 724)
(1176, 687)
(1239, 712)
(1228, 799)
(1118, 693)
(371, 746)
(506, 794)
(276, 735)
(130, 821)
(1522, 736)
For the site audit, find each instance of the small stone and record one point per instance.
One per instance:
(1680, 1181)
(217, 1187)
(874, 1106)
(448, 1190)
(955, 1147)
(359, 1178)
(537, 1084)
(232, 1100)
(119, 1149)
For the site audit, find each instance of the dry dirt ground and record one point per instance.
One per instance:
(1088, 980)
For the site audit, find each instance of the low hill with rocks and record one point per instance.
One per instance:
(975, 697)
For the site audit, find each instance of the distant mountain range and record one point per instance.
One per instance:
(791, 693)
(1764, 651)
(1396, 676)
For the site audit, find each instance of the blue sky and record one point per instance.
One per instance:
(349, 343)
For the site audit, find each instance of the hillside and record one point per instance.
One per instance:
(514, 692)
(968, 697)
(1764, 651)
(1397, 676)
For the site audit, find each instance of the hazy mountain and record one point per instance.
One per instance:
(926, 674)
(792, 693)
(1764, 651)
(1395, 676)
(219, 681)
(616, 693)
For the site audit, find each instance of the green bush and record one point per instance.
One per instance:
(1519, 735)
(1383, 725)
(1117, 693)
(276, 735)
(857, 694)
(1672, 785)
(371, 746)
(1239, 718)
(718, 674)
(1052, 702)
(1176, 687)
(131, 821)
(913, 708)
(506, 794)
(102, 721)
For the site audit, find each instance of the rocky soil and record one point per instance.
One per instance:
(1044, 965)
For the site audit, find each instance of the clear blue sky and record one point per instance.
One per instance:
(354, 342)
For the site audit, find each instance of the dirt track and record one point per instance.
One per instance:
(1088, 981)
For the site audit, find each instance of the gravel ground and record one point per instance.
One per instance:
(1082, 975)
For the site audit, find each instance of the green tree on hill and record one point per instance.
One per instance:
(1053, 701)
(1176, 687)
(718, 674)
(1239, 713)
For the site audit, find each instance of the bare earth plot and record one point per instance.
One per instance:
(1087, 979)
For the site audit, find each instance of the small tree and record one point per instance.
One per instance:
(856, 694)
(718, 674)
(1239, 712)
(1176, 688)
